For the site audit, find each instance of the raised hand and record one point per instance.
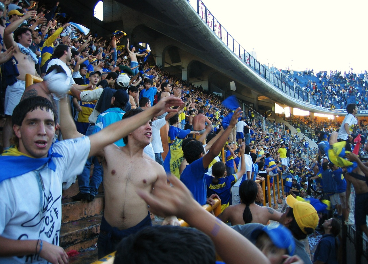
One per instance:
(5, 56)
(165, 104)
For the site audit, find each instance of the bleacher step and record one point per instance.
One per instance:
(81, 234)
(73, 211)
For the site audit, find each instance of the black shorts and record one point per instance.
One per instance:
(361, 208)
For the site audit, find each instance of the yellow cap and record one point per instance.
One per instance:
(304, 213)
(15, 12)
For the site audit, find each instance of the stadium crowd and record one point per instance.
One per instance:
(109, 103)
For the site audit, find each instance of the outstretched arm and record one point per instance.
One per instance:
(8, 32)
(177, 200)
(122, 128)
(218, 145)
(241, 172)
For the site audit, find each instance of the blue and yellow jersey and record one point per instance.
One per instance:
(87, 109)
(48, 46)
(229, 159)
(222, 188)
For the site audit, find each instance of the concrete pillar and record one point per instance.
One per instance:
(184, 73)
(311, 115)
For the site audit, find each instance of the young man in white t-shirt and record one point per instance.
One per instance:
(34, 171)
(240, 131)
(346, 128)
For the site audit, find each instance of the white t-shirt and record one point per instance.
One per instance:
(20, 214)
(149, 151)
(349, 119)
(156, 136)
(248, 163)
(65, 68)
(240, 126)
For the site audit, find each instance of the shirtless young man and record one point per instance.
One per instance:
(126, 169)
(133, 58)
(199, 121)
(113, 41)
(26, 64)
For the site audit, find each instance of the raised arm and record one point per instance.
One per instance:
(8, 32)
(177, 200)
(122, 128)
(241, 172)
(67, 125)
(219, 144)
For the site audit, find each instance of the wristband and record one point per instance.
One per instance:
(41, 243)
(37, 244)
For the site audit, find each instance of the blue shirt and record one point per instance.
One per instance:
(229, 159)
(326, 250)
(150, 94)
(329, 184)
(193, 178)
(110, 116)
(222, 188)
(340, 180)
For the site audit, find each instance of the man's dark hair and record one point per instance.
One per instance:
(350, 108)
(59, 51)
(19, 32)
(200, 111)
(192, 151)
(295, 229)
(186, 141)
(218, 170)
(30, 104)
(112, 75)
(143, 101)
(325, 166)
(130, 113)
(335, 227)
(254, 157)
(163, 86)
(173, 120)
(133, 89)
(248, 192)
(166, 244)
(149, 81)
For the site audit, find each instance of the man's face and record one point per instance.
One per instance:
(43, 29)
(83, 71)
(142, 135)
(134, 94)
(327, 223)
(36, 133)
(273, 253)
(37, 39)
(168, 88)
(147, 85)
(94, 79)
(25, 39)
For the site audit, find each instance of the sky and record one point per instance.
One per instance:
(299, 35)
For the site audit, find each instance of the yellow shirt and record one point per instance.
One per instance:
(282, 152)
